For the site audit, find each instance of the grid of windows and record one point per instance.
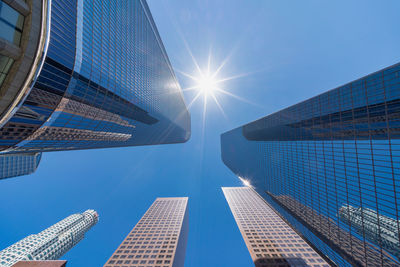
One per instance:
(18, 164)
(270, 241)
(106, 82)
(336, 151)
(51, 243)
(154, 240)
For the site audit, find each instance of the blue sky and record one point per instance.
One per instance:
(290, 51)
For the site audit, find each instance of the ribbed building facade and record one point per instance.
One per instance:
(51, 243)
(314, 160)
(98, 77)
(269, 239)
(159, 239)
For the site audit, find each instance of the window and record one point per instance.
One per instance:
(11, 24)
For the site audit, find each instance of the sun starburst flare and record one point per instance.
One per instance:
(208, 84)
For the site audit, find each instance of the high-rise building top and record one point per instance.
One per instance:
(270, 240)
(86, 74)
(158, 239)
(51, 243)
(336, 149)
(12, 165)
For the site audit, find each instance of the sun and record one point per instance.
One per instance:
(206, 84)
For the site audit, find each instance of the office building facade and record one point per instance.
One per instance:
(159, 239)
(85, 74)
(269, 239)
(40, 264)
(314, 160)
(12, 165)
(51, 243)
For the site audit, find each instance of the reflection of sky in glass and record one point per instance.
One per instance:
(96, 92)
(328, 152)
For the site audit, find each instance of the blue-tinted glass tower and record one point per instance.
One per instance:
(12, 165)
(331, 167)
(85, 74)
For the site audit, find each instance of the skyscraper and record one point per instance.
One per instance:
(158, 239)
(378, 229)
(270, 241)
(51, 243)
(18, 164)
(85, 74)
(338, 149)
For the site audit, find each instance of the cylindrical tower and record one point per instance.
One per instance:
(51, 243)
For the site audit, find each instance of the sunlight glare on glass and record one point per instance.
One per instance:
(245, 182)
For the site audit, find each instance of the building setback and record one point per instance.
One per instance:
(159, 239)
(270, 241)
(315, 161)
(84, 74)
(51, 243)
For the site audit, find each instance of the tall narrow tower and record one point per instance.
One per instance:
(51, 243)
(270, 240)
(158, 239)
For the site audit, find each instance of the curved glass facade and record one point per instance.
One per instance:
(11, 25)
(106, 82)
(328, 156)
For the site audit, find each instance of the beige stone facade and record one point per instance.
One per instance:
(269, 239)
(158, 239)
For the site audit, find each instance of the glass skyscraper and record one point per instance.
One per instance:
(51, 243)
(12, 165)
(85, 74)
(330, 166)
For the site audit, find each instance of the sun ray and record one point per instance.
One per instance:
(233, 77)
(187, 75)
(194, 99)
(190, 88)
(209, 63)
(204, 115)
(219, 105)
(191, 55)
(227, 58)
